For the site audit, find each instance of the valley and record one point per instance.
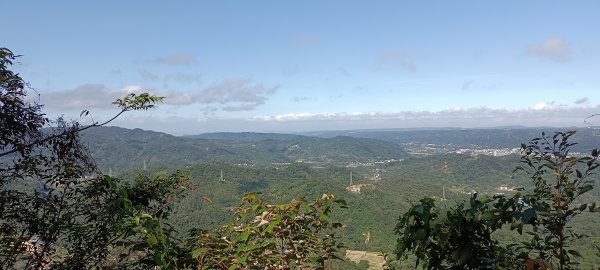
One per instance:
(378, 178)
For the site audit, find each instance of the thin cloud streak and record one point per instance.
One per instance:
(176, 59)
(554, 48)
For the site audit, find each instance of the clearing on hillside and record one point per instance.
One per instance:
(376, 260)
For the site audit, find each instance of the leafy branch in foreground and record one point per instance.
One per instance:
(56, 209)
(296, 235)
(560, 178)
(461, 237)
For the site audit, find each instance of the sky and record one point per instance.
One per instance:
(293, 66)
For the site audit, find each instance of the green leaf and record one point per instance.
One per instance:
(270, 228)
(420, 234)
(585, 189)
(341, 201)
(244, 236)
(196, 252)
(528, 214)
(127, 204)
(575, 253)
(489, 215)
(151, 240)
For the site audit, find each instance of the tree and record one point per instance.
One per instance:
(56, 208)
(461, 237)
(296, 235)
(560, 178)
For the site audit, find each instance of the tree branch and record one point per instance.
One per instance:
(54, 136)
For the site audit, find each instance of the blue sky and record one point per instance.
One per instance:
(313, 65)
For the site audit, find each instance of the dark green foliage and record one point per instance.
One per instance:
(121, 225)
(296, 235)
(462, 238)
(56, 209)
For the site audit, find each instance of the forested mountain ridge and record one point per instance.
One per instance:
(247, 136)
(502, 137)
(121, 149)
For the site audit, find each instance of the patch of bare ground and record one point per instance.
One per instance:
(376, 260)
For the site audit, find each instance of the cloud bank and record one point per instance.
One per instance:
(234, 95)
(542, 114)
(230, 95)
(551, 116)
(87, 96)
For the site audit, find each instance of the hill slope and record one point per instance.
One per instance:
(587, 138)
(120, 149)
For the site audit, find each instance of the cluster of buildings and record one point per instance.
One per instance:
(496, 152)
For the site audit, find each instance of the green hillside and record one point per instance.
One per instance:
(508, 137)
(119, 149)
(287, 166)
(375, 210)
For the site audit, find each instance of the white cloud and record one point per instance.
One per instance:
(132, 89)
(539, 115)
(85, 96)
(559, 116)
(236, 94)
(541, 106)
(229, 95)
(554, 48)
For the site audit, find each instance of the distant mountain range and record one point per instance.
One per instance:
(504, 137)
(119, 149)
